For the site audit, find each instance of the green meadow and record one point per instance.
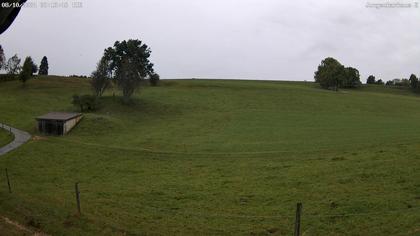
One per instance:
(216, 157)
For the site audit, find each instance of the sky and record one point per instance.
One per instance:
(229, 39)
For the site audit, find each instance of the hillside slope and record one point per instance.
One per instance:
(218, 157)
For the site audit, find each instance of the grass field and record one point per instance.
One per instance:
(5, 137)
(202, 157)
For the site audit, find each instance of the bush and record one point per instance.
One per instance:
(85, 102)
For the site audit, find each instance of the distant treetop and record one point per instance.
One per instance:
(43, 68)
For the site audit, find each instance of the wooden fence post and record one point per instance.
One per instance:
(297, 220)
(76, 186)
(8, 181)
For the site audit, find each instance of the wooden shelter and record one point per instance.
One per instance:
(58, 123)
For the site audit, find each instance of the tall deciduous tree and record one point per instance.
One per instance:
(128, 79)
(129, 64)
(13, 65)
(27, 70)
(101, 77)
(43, 67)
(351, 78)
(330, 74)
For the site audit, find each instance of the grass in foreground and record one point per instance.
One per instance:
(220, 158)
(5, 137)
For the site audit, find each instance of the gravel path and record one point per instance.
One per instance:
(21, 137)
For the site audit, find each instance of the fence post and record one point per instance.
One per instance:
(8, 181)
(297, 220)
(76, 186)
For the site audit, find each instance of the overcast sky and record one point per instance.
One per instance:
(246, 39)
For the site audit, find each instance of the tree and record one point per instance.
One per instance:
(34, 68)
(27, 70)
(13, 65)
(43, 68)
(380, 82)
(330, 74)
(352, 78)
(154, 79)
(413, 81)
(128, 80)
(371, 79)
(390, 83)
(2, 58)
(402, 82)
(101, 77)
(129, 64)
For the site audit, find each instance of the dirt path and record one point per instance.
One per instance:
(21, 137)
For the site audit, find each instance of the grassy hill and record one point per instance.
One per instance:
(218, 157)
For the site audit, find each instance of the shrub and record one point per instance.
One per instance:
(85, 102)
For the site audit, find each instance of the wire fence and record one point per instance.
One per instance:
(74, 200)
(77, 195)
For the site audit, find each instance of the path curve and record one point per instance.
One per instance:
(21, 137)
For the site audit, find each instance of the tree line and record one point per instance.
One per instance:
(412, 82)
(24, 72)
(331, 74)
